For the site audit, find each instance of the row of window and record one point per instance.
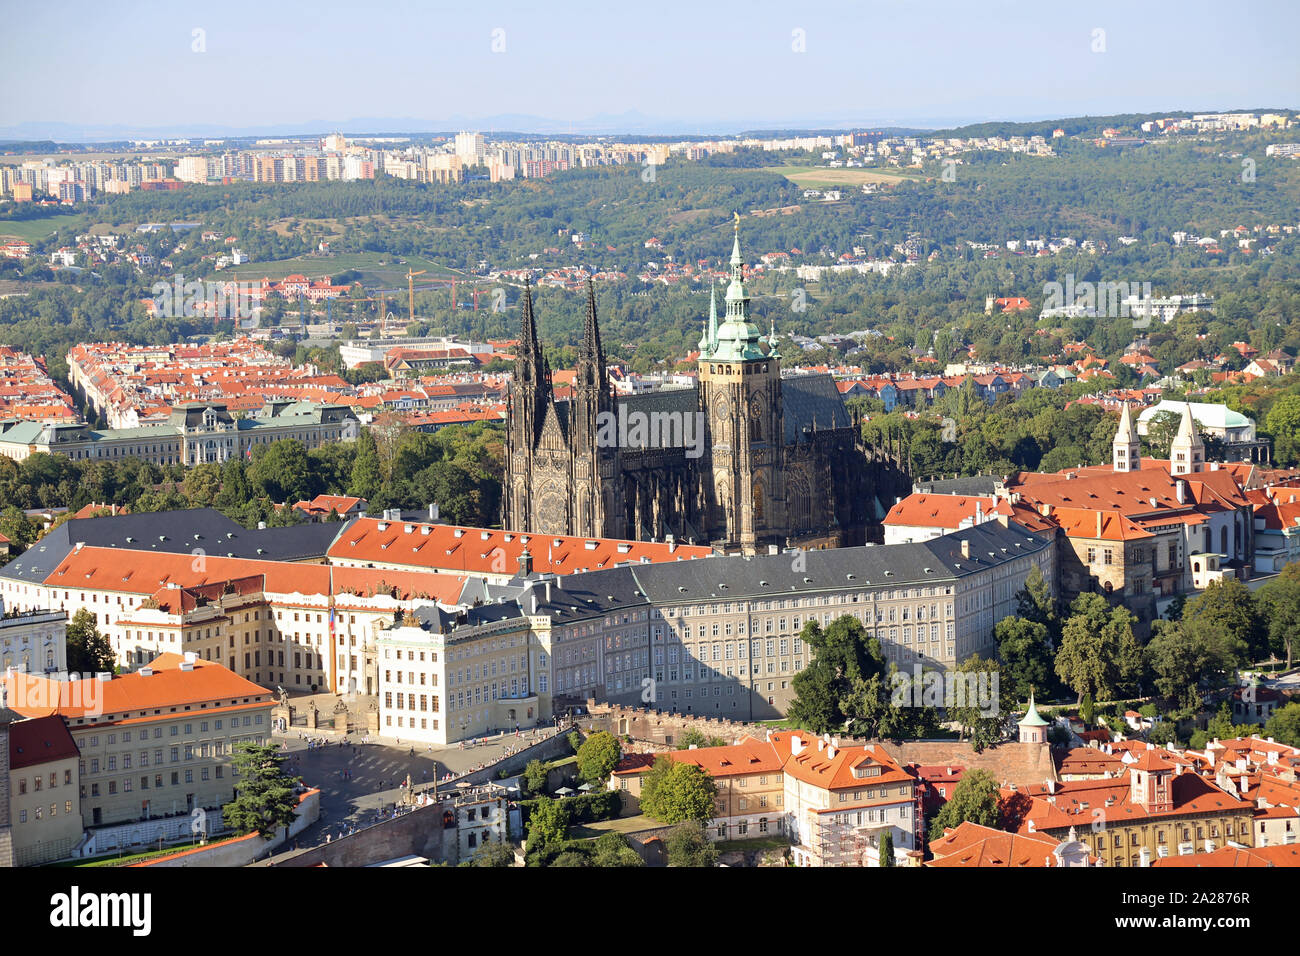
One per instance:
(38, 813)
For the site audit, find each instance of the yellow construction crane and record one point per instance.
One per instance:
(410, 291)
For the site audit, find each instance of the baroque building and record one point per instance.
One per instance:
(746, 460)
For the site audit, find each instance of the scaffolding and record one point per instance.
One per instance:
(845, 844)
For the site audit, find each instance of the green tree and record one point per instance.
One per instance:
(843, 654)
(235, 490)
(1036, 602)
(88, 651)
(1026, 654)
(1284, 725)
(887, 848)
(688, 845)
(612, 849)
(571, 858)
(1279, 605)
(981, 707)
(491, 854)
(598, 756)
(281, 472)
(1283, 423)
(1183, 655)
(1229, 604)
(694, 737)
(1099, 653)
(974, 799)
(264, 793)
(1163, 734)
(367, 474)
(534, 778)
(673, 792)
(1221, 727)
(202, 485)
(18, 528)
(547, 823)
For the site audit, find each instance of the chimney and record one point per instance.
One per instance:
(965, 547)
(433, 511)
(1180, 490)
(796, 746)
(104, 676)
(525, 563)
(261, 526)
(1099, 523)
(671, 541)
(145, 672)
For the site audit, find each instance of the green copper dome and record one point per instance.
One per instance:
(737, 339)
(1032, 718)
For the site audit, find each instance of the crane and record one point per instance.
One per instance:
(410, 291)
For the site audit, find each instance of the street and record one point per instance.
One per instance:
(375, 773)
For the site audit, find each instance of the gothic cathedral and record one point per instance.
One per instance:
(754, 461)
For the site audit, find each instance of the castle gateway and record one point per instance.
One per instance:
(743, 461)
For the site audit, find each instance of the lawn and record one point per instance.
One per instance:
(33, 229)
(113, 859)
(816, 177)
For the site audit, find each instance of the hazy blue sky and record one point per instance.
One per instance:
(704, 63)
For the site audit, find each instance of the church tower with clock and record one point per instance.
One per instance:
(742, 479)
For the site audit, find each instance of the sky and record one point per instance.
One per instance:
(577, 65)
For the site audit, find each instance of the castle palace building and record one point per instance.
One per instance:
(746, 460)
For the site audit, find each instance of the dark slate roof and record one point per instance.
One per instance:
(172, 532)
(299, 542)
(438, 621)
(662, 400)
(809, 397)
(967, 485)
(901, 565)
(576, 597)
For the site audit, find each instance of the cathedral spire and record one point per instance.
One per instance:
(591, 348)
(709, 336)
(528, 325)
(736, 261)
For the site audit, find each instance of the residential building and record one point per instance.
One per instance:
(155, 743)
(44, 784)
(1157, 809)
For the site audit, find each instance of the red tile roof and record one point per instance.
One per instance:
(488, 551)
(38, 741)
(128, 694)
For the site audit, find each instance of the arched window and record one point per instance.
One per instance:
(758, 504)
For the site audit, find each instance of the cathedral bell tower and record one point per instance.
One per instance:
(740, 395)
(597, 503)
(526, 404)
